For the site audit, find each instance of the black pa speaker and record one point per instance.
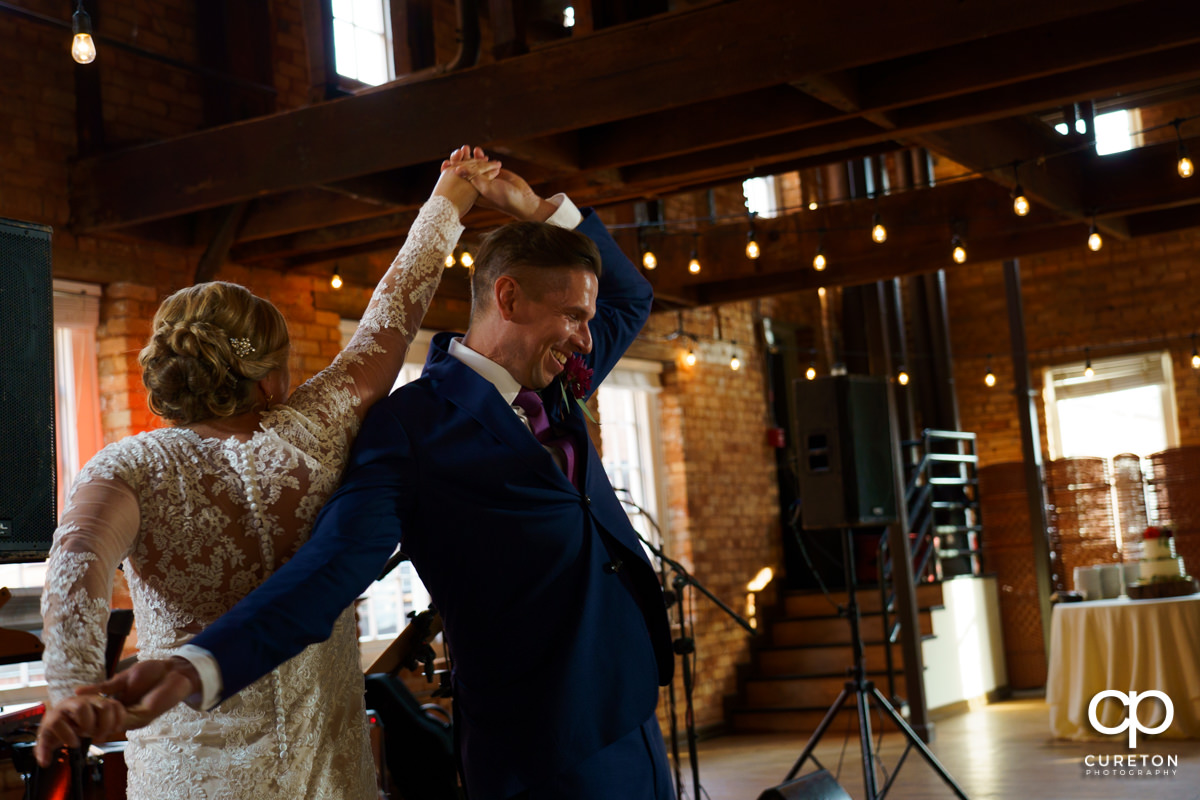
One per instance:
(27, 454)
(820, 785)
(847, 478)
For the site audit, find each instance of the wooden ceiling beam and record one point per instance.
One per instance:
(668, 61)
(1016, 57)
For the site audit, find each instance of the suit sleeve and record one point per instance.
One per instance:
(623, 304)
(353, 536)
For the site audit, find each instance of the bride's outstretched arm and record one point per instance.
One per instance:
(97, 530)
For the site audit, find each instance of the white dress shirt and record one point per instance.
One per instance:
(567, 216)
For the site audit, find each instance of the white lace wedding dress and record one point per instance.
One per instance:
(199, 523)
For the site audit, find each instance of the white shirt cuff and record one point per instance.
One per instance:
(210, 677)
(567, 216)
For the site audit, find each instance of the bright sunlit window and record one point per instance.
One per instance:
(361, 40)
(762, 196)
(1116, 131)
(629, 430)
(1127, 406)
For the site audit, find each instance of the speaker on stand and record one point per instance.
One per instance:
(27, 445)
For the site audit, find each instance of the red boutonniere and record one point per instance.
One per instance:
(1154, 533)
(577, 379)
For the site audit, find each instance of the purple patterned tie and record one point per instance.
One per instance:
(530, 402)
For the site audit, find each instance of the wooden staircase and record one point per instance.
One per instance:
(799, 664)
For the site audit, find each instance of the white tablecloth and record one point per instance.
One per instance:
(1126, 645)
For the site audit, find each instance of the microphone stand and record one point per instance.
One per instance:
(684, 646)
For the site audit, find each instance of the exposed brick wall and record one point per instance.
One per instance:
(1131, 296)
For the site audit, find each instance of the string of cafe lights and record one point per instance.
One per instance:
(958, 253)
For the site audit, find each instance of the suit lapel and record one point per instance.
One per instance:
(476, 396)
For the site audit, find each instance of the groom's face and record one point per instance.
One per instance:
(551, 323)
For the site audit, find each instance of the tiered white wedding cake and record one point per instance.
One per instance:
(1160, 572)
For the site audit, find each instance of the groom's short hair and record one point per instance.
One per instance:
(530, 252)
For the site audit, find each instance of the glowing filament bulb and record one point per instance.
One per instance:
(690, 358)
(959, 253)
(1195, 360)
(752, 249)
(83, 48)
(649, 261)
(812, 206)
(819, 262)
(1020, 203)
(1095, 240)
(989, 379)
(467, 259)
(694, 265)
(1088, 372)
(336, 280)
(811, 372)
(735, 363)
(450, 260)
(902, 377)
(878, 232)
(821, 292)
(1186, 167)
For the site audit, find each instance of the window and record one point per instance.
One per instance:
(762, 196)
(1115, 131)
(78, 437)
(1127, 406)
(632, 445)
(362, 41)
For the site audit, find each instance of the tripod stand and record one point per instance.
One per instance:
(863, 690)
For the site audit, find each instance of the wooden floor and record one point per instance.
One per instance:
(1000, 752)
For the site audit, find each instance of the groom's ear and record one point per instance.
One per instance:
(505, 294)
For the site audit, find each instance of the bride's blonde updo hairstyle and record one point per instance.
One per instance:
(211, 344)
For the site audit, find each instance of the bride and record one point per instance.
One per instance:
(205, 510)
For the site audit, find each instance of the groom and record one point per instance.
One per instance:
(483, 471)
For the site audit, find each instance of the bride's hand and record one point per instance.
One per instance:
(91, 716)
(507, 191)
(458, 171)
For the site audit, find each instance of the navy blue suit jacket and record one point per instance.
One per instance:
(555, 655)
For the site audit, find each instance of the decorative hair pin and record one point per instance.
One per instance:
(241, 346)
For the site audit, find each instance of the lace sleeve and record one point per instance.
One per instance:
(366, 370)
(97, 530)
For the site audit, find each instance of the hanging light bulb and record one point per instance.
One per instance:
(1195, 354)
(959, 253)
(694, 264)
(1088, 372)
(821, 292)
(989, 379)
(83, 47)
(1095, 240)
(902, 376)
(753, 251)
(812, 206)
(811, 372)
(467, 259)
(735, 363)
(878, 232)
(1185, 167)
(649, 261)
(1020, 202)
(336, 280)
(450, 260)
(690, 358)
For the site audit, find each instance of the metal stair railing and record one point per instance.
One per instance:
(942, 501)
